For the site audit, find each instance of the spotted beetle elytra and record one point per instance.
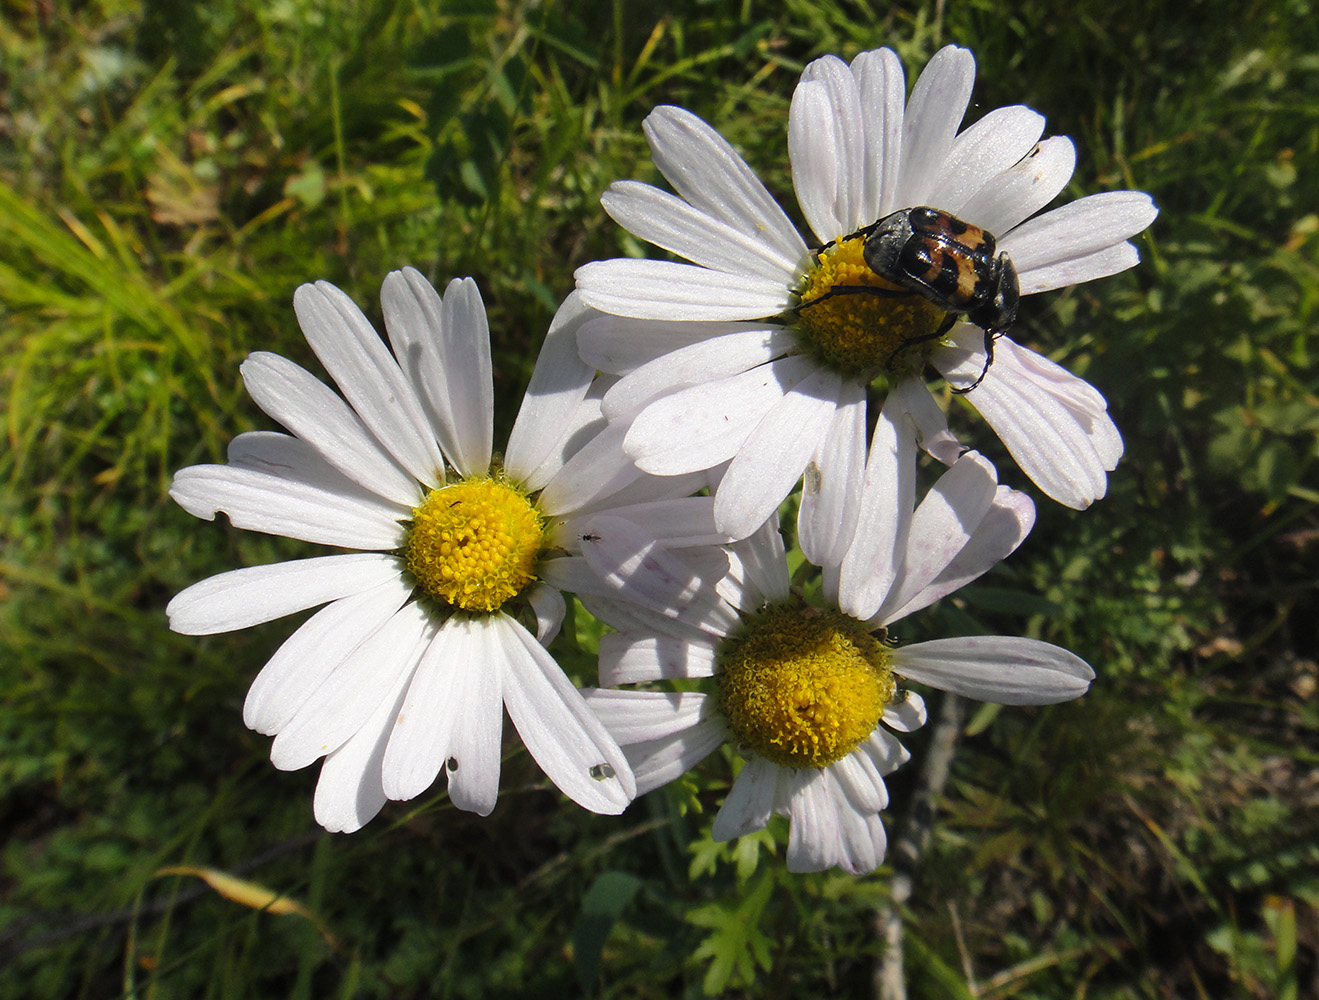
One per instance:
(950, 262)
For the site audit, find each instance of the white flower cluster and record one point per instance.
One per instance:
(673, 407)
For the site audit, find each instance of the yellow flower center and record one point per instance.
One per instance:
(474, 544)
(858, 331)
(804, 687)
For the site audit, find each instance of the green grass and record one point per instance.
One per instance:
(170, 174)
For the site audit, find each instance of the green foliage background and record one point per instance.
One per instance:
(169, 174)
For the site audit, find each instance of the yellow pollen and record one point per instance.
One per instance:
(474, 544)
(804, 687)
(858, 331)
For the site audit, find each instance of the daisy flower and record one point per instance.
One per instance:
(421, 644)
(790, 328)
(812, 695)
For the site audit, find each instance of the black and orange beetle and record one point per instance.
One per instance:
(951, 263)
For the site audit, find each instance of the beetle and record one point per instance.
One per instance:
(951, 263)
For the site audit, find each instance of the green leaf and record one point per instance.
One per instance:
(308, 186)
(605, 901)
(736, 946)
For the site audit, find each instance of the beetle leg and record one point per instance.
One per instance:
(865, 232)
(885, 293)
(990, 336)
(948, 323)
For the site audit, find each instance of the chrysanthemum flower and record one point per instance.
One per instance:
(811, 695)
(421, 644)
(785, 338)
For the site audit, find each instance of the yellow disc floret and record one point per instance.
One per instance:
(856, 331)
(474, 544)
(803, 687)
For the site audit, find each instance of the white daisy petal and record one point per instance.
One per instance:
(466, 347)
(884, 751)
(938, 102)
(860, 838)
(1031, 366)
(682, 522)
(907, 715)
(1103, 433)
(629, 658)
(815, 837)
(750, 801)
(1078, 395)
(301, 665)
(312, 411)
(873, 561)
(1046, 438)
(847, 141)
(286, 457)
(1100, 264)
(423, 729)
(645, 488)
(864, 841)
(593, 473)
(641, 716)
(661, 289)
(883, 90)
(242, 598)
(662, 735)
(761, 560)
(1004, 528)
(474, 753)
(1024, 188)
(582, 432)
(700, 427)
(913, 400)
(942, 525)
(672, 224)
(703, 168)
(813, 146)
(861, 781)
(561, 733)
(349, 792)
(773, 456)
(993, 144)
(369, 377)
(558, 386)
(549, 608)
(664, 760)
(620, 345)
(414, 319)
(716, 358)
(353, 691)
(634, 565)
(1078, 229)
(571, 574)
(1008, 671)
(257, 501)
(628, 615)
